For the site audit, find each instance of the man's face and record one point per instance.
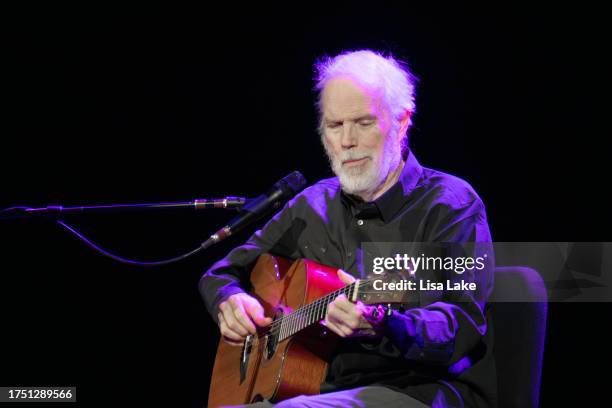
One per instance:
(356, 136)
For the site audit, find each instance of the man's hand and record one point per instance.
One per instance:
(345, 318)
(238, 317)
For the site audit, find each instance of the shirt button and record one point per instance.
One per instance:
(360, 222)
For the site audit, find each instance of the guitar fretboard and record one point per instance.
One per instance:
(303, 317)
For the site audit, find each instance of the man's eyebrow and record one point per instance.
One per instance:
(368, 116)
(331, 120)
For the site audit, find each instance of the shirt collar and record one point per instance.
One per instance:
(392, 201)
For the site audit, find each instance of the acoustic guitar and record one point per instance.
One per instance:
(289, 357)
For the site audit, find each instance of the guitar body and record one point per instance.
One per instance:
(298, 365)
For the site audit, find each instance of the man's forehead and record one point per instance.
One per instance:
(343, 97)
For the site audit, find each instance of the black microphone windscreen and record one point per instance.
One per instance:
(292, 184)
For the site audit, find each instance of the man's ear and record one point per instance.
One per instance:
(404, 124)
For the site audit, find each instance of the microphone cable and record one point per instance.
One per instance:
(283, 190)
(115, 257)
(126, 260)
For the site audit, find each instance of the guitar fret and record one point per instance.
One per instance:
(307, 315)
(310, 316)
(298, 321)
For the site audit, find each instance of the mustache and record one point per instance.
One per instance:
(351, 155)
(336, 161)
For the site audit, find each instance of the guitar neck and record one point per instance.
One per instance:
(299, 319)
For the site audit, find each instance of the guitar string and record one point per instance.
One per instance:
(303, 317)
(292, 318)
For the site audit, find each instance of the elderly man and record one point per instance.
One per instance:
(432, 355)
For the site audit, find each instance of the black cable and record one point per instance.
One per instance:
(13, 209)
(118, 258)
(130, 261)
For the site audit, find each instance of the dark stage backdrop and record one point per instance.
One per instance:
(103, 106)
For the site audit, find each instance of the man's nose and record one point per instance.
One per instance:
(349, 138)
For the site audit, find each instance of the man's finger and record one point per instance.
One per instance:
(243, 319)
(229, 335)
(234, 324)
(353, 311)
(342, 303)
(341, 318)
(345, 277)
(227, 332)
(256, 312)
(339, 330)
(233, 343)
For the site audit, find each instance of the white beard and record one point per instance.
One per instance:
(364, 179)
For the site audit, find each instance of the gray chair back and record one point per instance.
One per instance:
(519, 311)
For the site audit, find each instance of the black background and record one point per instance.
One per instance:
(105, 105)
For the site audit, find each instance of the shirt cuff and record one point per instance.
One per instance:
(419, 338)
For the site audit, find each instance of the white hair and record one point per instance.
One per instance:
(375, 72)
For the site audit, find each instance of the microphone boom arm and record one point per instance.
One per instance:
(256, 208)
(58, 210)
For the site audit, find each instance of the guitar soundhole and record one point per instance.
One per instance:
(271, 343)
(272, 337)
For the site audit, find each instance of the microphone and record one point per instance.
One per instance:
(254, 209)
(225, 202)
(280, 192)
